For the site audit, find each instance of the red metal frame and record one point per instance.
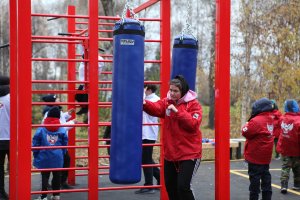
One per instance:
(222, 100)
(21, 40)
(93, 100)
(23, 98)
(165, 33)
(13, 99)
(71, 97)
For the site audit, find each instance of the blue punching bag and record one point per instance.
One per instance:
(127, 102)
(184, 58)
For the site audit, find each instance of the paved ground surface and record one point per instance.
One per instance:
(204, 185)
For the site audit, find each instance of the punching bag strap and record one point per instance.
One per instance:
(128, 11)
(187, 28)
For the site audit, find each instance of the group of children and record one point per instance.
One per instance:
(265, 124)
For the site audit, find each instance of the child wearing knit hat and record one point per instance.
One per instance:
(259, 134)
(64, 119)
(50, 136)
(289, 145)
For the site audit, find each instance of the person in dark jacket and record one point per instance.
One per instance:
(182, 115)
(50, 158)
(4, 129)
(289, 145)
(258, 132)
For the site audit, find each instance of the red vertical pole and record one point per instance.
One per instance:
(13, 98)
(222, 100)
(165, 13)
(71, 86)
(93, 100)
(24, 99)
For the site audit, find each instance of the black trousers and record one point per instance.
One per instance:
(178, 178)
(149, 172)
(260, 178)
(275, 144)
(55, 183)
(3, 153)
(64, 174)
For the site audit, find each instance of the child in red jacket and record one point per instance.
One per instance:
(258, 132)
(289, 145)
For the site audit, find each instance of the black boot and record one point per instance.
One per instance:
(284, 187)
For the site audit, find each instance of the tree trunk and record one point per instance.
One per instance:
(211, 76)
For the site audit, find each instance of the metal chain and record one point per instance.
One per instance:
(187, 28)
(128, 7)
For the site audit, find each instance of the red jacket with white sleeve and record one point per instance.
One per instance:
(289, 139)
(182, 139)
(259, 138)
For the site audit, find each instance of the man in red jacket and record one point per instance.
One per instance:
(289, 145)
(258, 132)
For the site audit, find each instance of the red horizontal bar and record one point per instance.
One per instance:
(57, 81)
(36, 37)
(127, 187)
(57, 92)
(58, 42)
(60, 147)
(61, 191)
(85, 174)
(59, 16)
(56, 59)
(66, 91)
(59, 169)
(145, 5)
(62, 125)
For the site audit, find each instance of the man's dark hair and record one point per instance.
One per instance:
(151, 87)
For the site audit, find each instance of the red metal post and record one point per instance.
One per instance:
(71, 86)
(165, 12)
(24, 99)
(222, 100)
(13, 98)
(93, 100)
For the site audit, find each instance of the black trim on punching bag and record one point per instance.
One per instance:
(127, 102)
(184, 58)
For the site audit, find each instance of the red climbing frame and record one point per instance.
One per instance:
(222, 100)
(21, 91)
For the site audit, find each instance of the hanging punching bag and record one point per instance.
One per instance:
(127, 102)
(184, 58)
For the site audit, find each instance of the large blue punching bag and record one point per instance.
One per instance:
(184, 58)
(127, 102)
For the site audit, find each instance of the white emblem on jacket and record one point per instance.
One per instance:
(52, 139)
(270, 128)
(286, 127)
